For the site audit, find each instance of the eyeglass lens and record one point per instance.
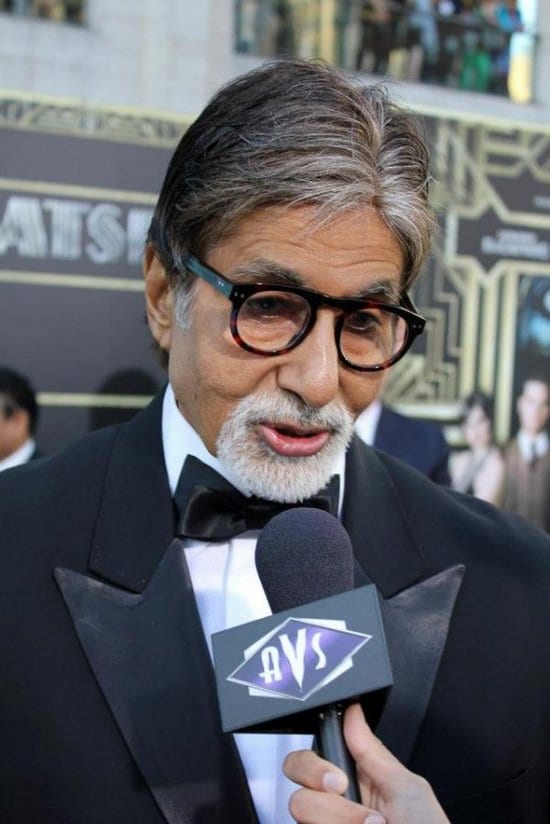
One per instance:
(272, 321)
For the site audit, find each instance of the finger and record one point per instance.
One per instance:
(371, 756)
(409, 796)
(311, 807)
(310, 770)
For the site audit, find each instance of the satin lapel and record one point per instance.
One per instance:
(150, 659)
(417, 624)
(156, 675)
(417, 604)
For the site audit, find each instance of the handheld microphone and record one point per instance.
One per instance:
(304, 555)
(324, 645)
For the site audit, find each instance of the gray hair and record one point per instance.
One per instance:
(293, 133)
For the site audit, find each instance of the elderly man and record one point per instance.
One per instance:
(292, 221)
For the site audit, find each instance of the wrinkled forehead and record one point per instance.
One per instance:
(345, 255)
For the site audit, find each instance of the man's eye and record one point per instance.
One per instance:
(363, 322)
(275, 304)
(266, 305)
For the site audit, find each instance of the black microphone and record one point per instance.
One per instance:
(323, 646)
(303, 555)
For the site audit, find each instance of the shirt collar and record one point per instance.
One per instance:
(20, 456)
(367, 422)
(527, 442)
(179, 440)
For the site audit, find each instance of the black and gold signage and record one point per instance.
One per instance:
(486, 293)
(77, 191)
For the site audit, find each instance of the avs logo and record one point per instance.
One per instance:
(298, 658)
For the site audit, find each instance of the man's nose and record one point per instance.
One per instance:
(311, 370)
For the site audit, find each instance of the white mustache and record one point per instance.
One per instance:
(285, 409)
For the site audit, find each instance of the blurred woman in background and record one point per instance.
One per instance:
(479, 469)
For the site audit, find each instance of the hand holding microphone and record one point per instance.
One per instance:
(390, 793)
(323, 646)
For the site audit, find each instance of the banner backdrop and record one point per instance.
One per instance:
(77, 189)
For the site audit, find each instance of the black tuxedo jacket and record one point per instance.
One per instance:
(108, 712)
(419, 443)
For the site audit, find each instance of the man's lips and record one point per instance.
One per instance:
(291, 440)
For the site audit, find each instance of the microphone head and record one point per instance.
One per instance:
(302, 555)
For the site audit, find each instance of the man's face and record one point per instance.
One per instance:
(533, 407)
(291, 413)
(477, 428)
(13, 428)
(5, 434)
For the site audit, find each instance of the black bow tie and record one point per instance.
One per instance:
(210, 509)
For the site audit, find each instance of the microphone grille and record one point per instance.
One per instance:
(303, 554)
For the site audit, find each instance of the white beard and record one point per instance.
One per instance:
(264, 472)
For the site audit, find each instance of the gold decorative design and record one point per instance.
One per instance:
(494, 204)
(74, 399)
(69, 281)
(52, 115)
(69, 190)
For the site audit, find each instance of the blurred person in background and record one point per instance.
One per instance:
(448, 8)
(18, 419)
(127, 383)
(508, 19)
(508, 16)
(418, 443)
(527, 456)
(375, 44)
(488, 9)
(479, 469)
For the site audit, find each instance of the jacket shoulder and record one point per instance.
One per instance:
(52, 498)
(463, 525)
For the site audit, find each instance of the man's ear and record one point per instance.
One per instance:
(159, 298)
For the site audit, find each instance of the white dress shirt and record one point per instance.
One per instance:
(228, 592)
(20, 456)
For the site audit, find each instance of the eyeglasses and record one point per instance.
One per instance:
(272, 319)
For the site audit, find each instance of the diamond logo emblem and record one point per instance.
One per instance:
(298, 658)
